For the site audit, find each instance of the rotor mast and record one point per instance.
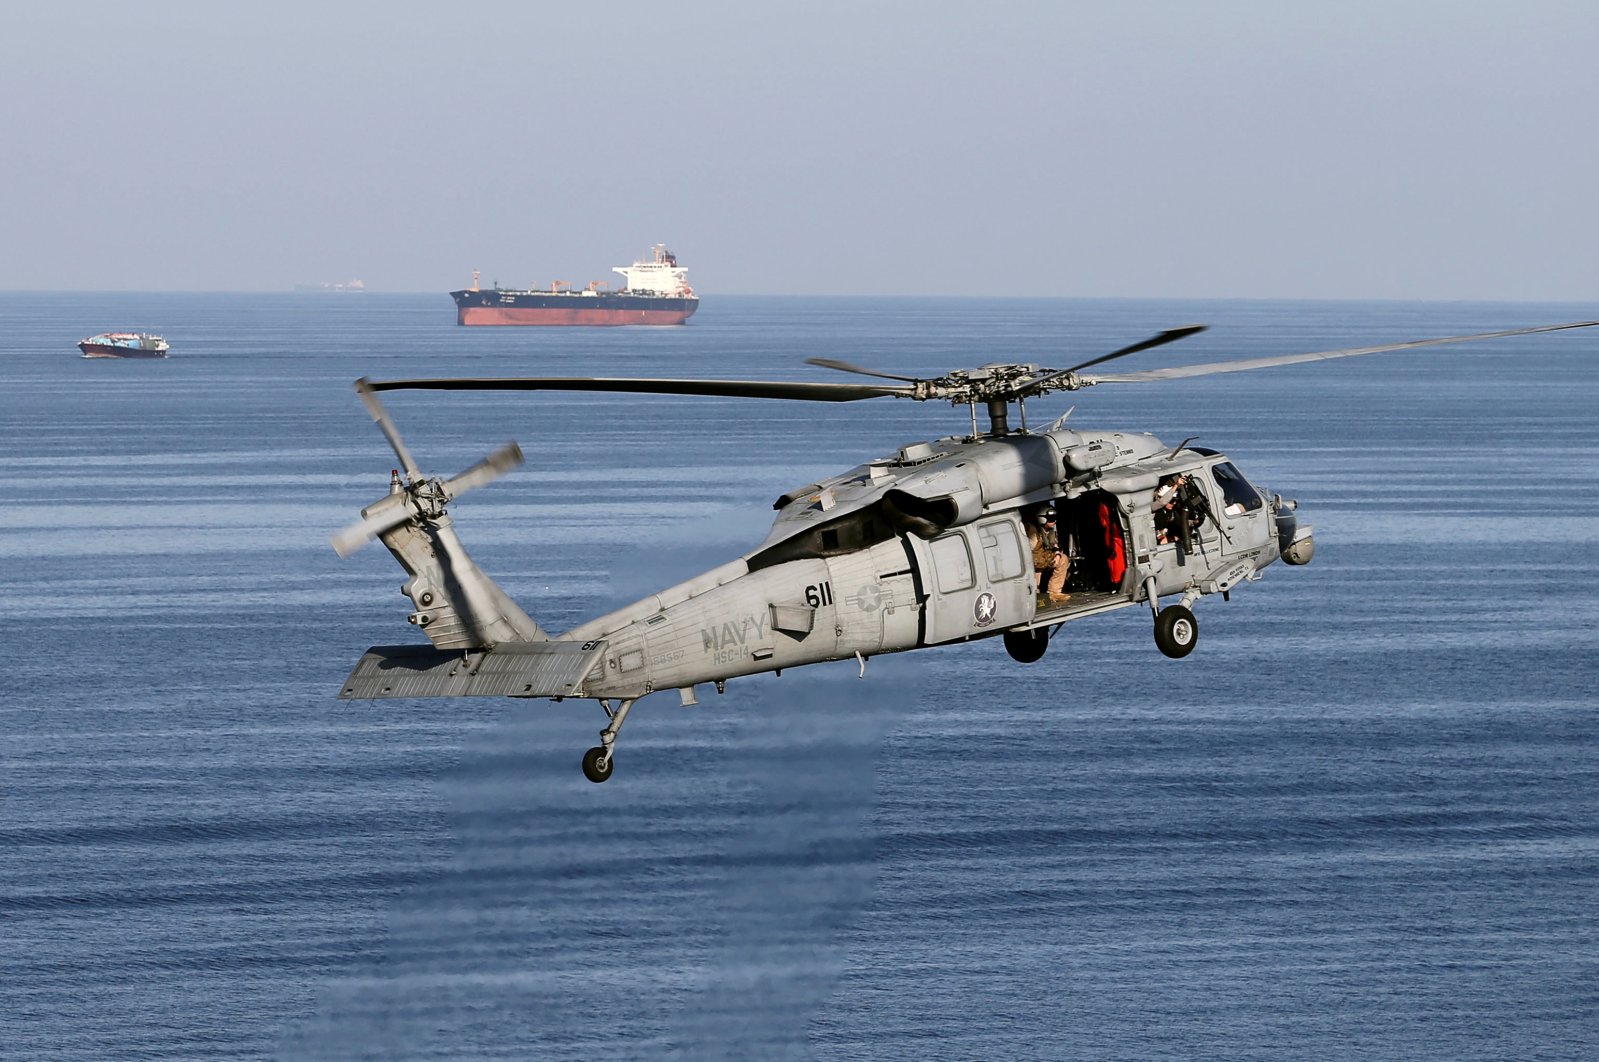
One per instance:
(999, 417)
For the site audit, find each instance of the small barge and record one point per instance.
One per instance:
(124, 345)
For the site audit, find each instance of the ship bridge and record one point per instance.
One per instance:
(658, 275)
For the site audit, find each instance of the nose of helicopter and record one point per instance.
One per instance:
(1301, 549)
(1296, 544)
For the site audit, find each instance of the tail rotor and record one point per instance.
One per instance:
(418, 498)
(456, 605)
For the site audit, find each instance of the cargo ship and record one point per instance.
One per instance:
(655, 293)
(124, 345)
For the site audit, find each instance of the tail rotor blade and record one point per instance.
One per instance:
(487, 470)
(396, 509)
(388, 513)
(370, 399)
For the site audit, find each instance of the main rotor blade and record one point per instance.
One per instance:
(364, 388)
(844, 366)
(487, 470)
(805, 392)
(1157, 340)
(1178, 372)
(1041, 383)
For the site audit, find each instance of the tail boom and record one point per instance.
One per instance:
(456, 605)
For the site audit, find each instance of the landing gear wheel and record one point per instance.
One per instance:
(1176, 631)
(1026, 647)
(597, 764)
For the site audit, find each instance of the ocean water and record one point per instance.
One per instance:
(1360, 821)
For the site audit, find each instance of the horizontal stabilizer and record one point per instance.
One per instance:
(513, 669)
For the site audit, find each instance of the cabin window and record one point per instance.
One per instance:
(1002, 552)
(951, 562)
(1238, 493)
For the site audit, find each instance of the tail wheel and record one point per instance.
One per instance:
(1026, 647)
(597, 764)
(1176, 631)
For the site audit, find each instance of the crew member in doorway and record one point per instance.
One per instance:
(1050, 563)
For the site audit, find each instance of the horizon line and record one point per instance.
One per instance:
(920, 296)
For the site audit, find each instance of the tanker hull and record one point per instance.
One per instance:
(656, 293)
(539, 308)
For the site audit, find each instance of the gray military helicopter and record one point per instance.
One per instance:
(926, 546)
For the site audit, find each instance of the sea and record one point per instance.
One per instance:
(1360, 821)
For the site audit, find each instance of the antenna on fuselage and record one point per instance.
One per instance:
(1179, 447)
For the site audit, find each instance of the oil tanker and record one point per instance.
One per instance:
(655, 293)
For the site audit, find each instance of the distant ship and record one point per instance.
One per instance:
(656, 293)
(124, 345)
(346, 286)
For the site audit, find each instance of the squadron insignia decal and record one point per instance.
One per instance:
(986, 608)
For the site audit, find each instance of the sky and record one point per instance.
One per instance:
(1394, 149)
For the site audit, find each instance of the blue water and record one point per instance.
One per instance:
(1360, 821)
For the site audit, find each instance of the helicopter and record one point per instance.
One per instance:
(927, 546)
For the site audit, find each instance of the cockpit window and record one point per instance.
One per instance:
(1240, 496)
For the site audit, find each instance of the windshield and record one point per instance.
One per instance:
(1237, 490)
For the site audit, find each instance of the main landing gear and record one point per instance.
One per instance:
(599, 761)
(1176, 631)
(597, 764)
(1027, 646)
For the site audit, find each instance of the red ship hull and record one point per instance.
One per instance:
(551, 315)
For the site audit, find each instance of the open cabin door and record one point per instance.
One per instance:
(978, 580)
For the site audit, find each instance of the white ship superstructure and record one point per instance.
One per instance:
(658, 275)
